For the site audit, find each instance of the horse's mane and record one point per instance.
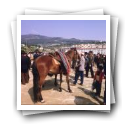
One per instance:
(68, 52)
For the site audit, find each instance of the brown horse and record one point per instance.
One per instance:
(49, 64)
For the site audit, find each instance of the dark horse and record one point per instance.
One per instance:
(48, 64)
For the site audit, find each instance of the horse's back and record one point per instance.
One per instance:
(47, 63)
(43, 58)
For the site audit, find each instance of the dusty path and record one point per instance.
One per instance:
(81, 94)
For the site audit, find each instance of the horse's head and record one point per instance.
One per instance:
(75, 54)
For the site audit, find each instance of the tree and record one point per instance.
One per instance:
(33, 48)
(25, 48)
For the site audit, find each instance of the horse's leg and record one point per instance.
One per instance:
(55, 83)
(39, 96)
(60, 82)
(42, 74)
(67, 80)
(41, 82)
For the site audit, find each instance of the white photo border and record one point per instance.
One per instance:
(63, 107)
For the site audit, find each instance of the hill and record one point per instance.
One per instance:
(32, 39)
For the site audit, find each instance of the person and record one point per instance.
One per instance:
(105, 94)
(89, 64)
(98, 60)
(104, 64)
(25, 66)
(86, 65)
(41, 53)
(61, 50)
(80, 70)
(37, 54)
(95, 59)
(29, 65)
(98, 79)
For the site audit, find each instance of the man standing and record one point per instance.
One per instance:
(80, 71)
(98, 60)
(25, 66)
(104, 65)
(37, 54)
(89, 64)
(98, 79)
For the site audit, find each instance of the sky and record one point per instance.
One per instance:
(79, 29)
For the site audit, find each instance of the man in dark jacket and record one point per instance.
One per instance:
(89, 64)
(98, 60)
(37, 54)
(25, 66)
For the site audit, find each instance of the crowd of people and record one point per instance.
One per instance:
(25, 66)
(26, 62)
(84, 64)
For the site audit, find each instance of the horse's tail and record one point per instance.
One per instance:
(35, 81)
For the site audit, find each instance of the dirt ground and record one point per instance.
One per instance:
(81, 95)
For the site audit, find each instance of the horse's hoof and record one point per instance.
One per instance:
(60, 90)
(70, 91)
(35, 101)
(42, 101)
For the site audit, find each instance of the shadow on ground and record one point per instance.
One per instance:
(83, 101)
(30, 92)
(92, 94)
(48, 85)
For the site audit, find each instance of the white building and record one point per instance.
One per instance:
(96, 48)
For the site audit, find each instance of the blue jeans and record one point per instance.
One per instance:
(77, 74)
